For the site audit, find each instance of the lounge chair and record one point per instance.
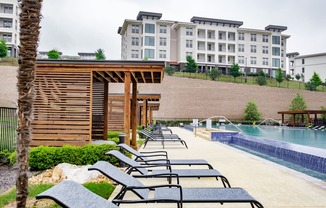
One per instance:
(73, 195)
(134, 166)
(162, 138)
(162, 156)
(174, 194)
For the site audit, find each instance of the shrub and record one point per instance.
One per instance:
(251, 112)
(169, 70)
(44, 157)
(4, 157)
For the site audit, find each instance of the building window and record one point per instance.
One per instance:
(275, 62)
(282, 42)
(231, 36)
(302, 61)
(276, 51)
(241, 59)
(149, 41)
(7, 37)
(149, 53)
(7, 23)
(135, 29)
(8, 9)
(134, 41)
(302, 70)
(134, 54)
(282, 53)
(149, 28)
(162, 54)
(265, 38)
(253, 60)
(253, 37)
(189, 31)
(188, 54)
(265, 61)
(162, 41)
(241, 36)
(163, 29)
(265, 49)
(253, 70)
(253, 49)
(276, 40)
(188, 43)
(241, 48)
(282, 64)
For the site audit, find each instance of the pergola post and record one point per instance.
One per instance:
(144, 120)
(294, 120)
(150, 115)
(282, 118)
(127, 107)
(133, 115)
(105, 110)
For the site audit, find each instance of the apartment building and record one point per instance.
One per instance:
(9, 25)
(306, 65)
(213, 43)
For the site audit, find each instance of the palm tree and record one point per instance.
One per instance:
(29, 33)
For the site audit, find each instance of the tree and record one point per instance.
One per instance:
(191, 65)
(310, 86)
(3, 48)
(214, 73)
(279, 76)
(53, 54)
(234, 71)
(298, 77)
(297, 103)
(169, 70)
(251, 112)
(261, 79)
(315, 80)
(99, 54)
(30, 17)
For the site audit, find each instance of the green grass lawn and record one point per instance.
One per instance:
(102, 189)
(250, 80)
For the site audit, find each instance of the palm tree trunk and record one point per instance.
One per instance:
(29, 33)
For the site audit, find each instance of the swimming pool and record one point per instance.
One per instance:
(301, 136)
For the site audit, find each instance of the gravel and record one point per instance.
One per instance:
(8, 177)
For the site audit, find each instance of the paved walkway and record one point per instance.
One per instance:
(273, 185)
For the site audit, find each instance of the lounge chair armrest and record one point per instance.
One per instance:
(164, 152)
(164, 161)
(155, 186)
(153, 166)
(168, 175)
(156, 155)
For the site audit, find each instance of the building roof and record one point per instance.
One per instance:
(195, 19)
(293, 54)
(312, 55)
(276, 28)
(142, 14)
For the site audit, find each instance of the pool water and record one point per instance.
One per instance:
(301, 136)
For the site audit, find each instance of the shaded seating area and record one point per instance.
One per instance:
(305, 117)
(149, 171)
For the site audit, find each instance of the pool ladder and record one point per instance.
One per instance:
(223, 117)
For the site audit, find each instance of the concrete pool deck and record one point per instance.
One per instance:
(272, 185)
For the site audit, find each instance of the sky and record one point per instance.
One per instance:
(73, 26)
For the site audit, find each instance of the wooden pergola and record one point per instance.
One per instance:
(302, 113)
(72, 98)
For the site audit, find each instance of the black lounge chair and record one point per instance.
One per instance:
(149, 136)
(74, 195)
(174, 194)
(166, 173)
(162, 158)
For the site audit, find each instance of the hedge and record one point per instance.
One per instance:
(45, 157)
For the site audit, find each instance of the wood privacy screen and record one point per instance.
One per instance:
(62, 108)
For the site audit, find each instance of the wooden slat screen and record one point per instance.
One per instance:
(116, 116)
(98, 111)
(62, 107)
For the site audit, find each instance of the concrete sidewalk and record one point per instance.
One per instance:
(271, 184)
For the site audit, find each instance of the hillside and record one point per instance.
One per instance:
(194, 98)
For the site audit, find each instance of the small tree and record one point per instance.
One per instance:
(3, 48)
(234, 71)
(315, 80)
(261, 79)
(251, 112)
(298, 103)
(169, 70)
(99, 54)
(191, 65)
(279, 76)
(297, 77)
(53, 54)
(310, 86)
(214, 73)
